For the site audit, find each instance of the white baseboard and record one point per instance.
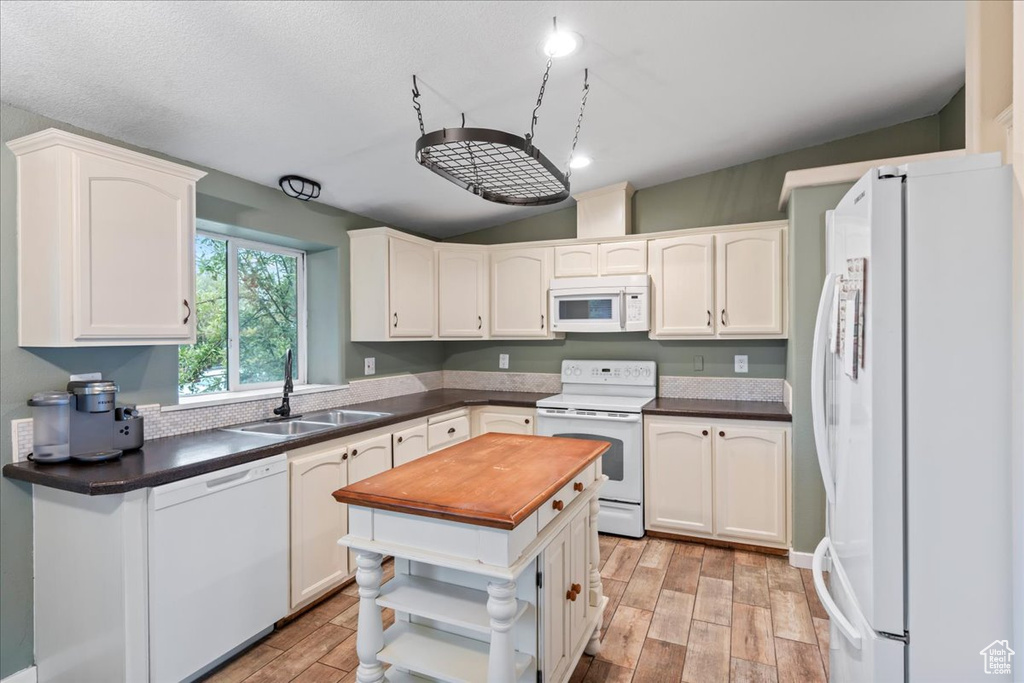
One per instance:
(24, 676)
(803, 560)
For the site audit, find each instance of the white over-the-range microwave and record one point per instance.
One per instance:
(612, 303)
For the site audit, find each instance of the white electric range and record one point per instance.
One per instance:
(602, 400)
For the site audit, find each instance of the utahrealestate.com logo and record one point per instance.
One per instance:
(998, 657)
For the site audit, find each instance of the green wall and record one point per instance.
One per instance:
(953, 122)
(807, 208)
(148, 374)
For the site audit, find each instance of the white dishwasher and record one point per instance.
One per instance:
(218, 564)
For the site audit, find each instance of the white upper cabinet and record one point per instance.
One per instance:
(105, 244)
(683, 281)
(576, 260)
(462, 292)
(392, 286)
(622, 258)
(751, 484)
(519, 292)
(749, 282)
(411, 288)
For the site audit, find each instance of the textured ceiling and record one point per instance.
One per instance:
(261, 89)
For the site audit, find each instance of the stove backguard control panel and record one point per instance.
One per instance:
(621, 372)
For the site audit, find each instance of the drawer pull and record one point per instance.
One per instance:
(451, 430)
(705, 432)
(558, 505)
(578, 486)
(577, 589)
(527, 420)
(569, 595)
(721, 433)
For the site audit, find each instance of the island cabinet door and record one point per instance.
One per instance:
(317, 522)
(370, 457)
(409, 444)
(556, 568)
(678, 476)
(750, 484)
(579, 576)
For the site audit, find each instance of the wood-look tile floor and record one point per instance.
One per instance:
(677, 612)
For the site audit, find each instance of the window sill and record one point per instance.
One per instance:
(187, 402)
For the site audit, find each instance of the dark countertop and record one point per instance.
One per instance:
(162, 461)
(722, 410)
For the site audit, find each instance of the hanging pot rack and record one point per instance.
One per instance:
(498, 166)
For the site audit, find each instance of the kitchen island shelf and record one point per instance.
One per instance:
(440, 654)
(447, 602)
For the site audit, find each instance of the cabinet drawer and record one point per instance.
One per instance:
(443, 434)
(565, 495)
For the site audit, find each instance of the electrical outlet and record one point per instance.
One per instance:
(698, 363)
(369, 366)
(503, 361)
(739, 363)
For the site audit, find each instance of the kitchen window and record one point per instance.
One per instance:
(250, 309)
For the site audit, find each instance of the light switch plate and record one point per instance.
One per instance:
(369, 366)
(740, 363)
(698, 363)
(503, 361)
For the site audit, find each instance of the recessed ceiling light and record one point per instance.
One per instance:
(579, 161)
(561, 43)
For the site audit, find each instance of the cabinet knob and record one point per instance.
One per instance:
(558, 505)
(569, 595)
(705, 432)
(527, 420)
(721, 433)
(400, 438)
(355, 452)
(451, 430)
(344, 456)
(578, 486)
(577, 589)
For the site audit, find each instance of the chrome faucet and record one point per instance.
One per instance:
(285, 409)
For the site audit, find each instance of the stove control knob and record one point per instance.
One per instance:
(629, 372)
(647, 372)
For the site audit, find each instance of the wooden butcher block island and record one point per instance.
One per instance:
(496, 561)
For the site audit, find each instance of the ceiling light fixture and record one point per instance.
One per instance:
(579, 161)
(498, 166)
(561, 43)
(299, 188)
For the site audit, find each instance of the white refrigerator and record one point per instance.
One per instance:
(910, 405)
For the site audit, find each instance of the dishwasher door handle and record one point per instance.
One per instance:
(214, 482)
(226, 482)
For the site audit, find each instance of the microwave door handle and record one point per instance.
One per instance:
(622, 308)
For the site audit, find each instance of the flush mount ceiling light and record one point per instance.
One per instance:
(298, 187)
(561, 43)
(579, 161)
(498, 166)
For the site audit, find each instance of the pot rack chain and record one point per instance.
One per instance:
(579, 122)
(416, 104)
(540, 98)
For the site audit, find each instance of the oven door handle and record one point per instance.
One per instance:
(630, 418)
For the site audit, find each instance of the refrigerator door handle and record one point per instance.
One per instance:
(818, 356)
(837, 617)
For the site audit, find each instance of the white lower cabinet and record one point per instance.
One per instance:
(317, 522)
(447, 430)
(718, 479)
(409, 444)
(565, 605)
(751, 484)
(368, 458)
(506, 420)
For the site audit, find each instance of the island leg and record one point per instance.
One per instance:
(370, 633)
(502, 608)
(596, 588)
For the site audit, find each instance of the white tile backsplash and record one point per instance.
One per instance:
(722, 388)
(503, 381)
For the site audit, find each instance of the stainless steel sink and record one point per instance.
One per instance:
(346, 417)
(284, 428)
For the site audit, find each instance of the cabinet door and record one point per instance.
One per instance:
(682, 276)
(133, 251)
(462, 293)
(317, 522)
(555, 618)
(579, 575)
(519, 292)
(576, 260)
(409, 444)
(505, 422)
(411, 289)
(748, 282)
(622, 258)
(678, 476)
(370, 457)
(750, 484)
